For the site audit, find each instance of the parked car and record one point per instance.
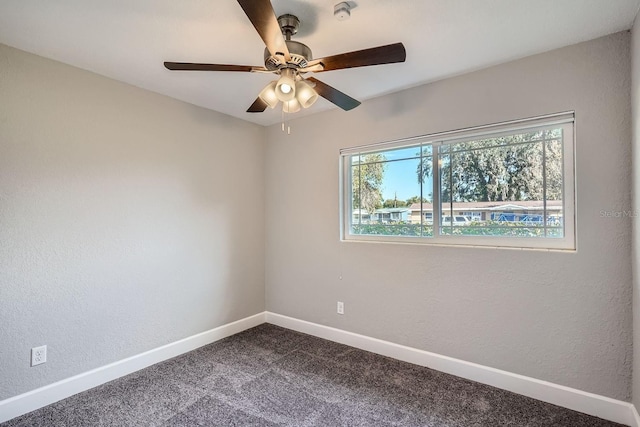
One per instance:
(457, 220)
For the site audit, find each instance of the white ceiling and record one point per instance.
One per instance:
(129, 40)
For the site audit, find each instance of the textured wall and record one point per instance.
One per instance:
(635, 109)
(128, 220)
(561, 317)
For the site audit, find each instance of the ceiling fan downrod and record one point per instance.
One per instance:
(289, 24)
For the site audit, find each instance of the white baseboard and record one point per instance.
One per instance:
(32, 400)
(588, 403)
(577, 400)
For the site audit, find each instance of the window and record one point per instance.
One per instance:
(510, 185)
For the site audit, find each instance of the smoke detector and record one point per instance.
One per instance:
(342, 11)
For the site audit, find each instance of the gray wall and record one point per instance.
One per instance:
(560, 317)
(128, 220)
(126, 223)
(635, 108)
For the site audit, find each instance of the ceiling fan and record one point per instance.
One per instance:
(291, 60)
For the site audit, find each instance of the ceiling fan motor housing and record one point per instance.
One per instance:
(299, 52)
(300, 56)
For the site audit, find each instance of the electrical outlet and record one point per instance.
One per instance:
(38, 355)
(340, 307)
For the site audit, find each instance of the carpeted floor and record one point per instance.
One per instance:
(270, 376)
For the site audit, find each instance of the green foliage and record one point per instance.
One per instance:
(507, 168)
(416, 199)
(495, 228)
(425, 166)
(367, 177)
(399, 229)
(488, 228)
(394, 203)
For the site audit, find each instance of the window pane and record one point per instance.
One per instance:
(494, 186)
(386, 192)
(554, 190)
(367, 172)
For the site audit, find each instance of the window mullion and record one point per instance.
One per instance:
(544, 188)
(421, 172)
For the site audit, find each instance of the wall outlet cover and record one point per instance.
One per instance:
(38, 355)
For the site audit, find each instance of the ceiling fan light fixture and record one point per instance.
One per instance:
(292, 106)
(286, 86)
(305, 94)
(268, 95)
(291, 59)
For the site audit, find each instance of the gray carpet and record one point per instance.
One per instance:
(270, 376)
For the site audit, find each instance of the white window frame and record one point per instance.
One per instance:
(566, 120)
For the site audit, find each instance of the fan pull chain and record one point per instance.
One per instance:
(285, 123)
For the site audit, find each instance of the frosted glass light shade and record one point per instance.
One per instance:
(292, 106)
(286, 86)
(268, 95)
(305, 94)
